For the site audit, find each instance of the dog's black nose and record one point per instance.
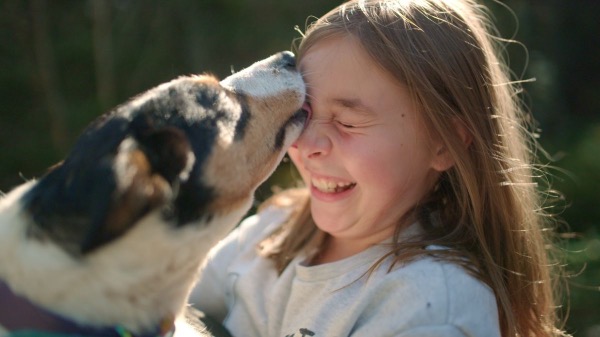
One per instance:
(288, 60)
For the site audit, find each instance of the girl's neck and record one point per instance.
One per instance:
(332, 251)
(336, 249)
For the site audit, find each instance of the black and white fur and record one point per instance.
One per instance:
(115, 234)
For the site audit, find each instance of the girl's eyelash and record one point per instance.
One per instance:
(345, 125)
(307, 106)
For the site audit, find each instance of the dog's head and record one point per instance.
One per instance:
(189, 149)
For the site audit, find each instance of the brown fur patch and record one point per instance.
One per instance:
(235, 169)
(146, 191)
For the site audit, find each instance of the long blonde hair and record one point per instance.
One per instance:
(487, 207)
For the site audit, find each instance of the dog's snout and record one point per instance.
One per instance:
(287, 60)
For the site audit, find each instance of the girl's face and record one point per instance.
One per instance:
(365, 155)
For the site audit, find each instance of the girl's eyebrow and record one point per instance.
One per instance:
(353, 103)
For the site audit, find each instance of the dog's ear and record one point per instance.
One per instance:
(148, 171)
(102, 190)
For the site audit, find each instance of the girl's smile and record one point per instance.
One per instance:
(330, 189)
(325, 185)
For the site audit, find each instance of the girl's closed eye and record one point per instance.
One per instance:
(350, 120)
(345, 125)
(342, 123)
(341, 116)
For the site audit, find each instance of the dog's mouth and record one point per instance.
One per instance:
(300, 117)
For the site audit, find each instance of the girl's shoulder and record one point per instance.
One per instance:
(434, 293)
(447, 280)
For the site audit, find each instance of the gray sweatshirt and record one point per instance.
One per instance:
(422, 298)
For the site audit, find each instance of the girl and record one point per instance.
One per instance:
(420, 215)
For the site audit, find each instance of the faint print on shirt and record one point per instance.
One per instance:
(303, 333)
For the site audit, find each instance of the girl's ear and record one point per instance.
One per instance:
(443, 159)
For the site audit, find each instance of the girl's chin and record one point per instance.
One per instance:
(330, 227)
(328, 220)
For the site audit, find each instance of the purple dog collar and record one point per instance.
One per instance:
(18, 313)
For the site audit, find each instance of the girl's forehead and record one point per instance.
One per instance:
(341, 74)
(339, 48)
(343, 61)
(342, 57)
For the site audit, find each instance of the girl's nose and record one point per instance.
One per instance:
(314, 141)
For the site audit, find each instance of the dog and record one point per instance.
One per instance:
(110, 241)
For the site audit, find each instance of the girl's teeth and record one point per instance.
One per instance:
(330, 186)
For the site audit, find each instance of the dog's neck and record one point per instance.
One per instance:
(134, 282)
(18, 313)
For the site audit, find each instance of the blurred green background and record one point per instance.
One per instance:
(62, 63)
